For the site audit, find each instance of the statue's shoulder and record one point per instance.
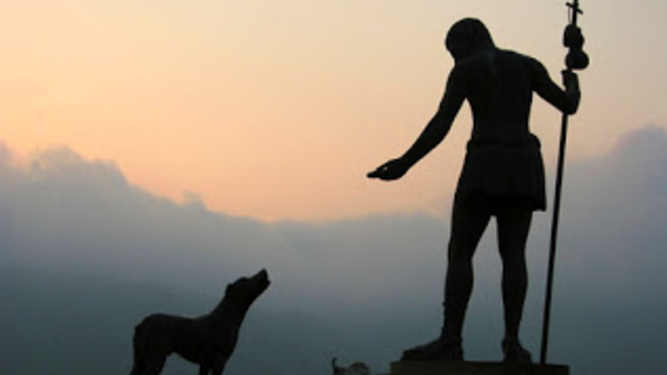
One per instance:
(524, 61)
(517, 56)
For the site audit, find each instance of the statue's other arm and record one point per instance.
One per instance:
(433, 134)
(567, 101)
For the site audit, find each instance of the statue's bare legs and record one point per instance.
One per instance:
(470, 217)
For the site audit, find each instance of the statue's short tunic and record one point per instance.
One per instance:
(511, 172)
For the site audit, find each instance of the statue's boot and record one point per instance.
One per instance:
(436, 350)
(515, 353)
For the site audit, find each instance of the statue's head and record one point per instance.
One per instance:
(466, 37)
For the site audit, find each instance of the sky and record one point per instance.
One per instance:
(275, 110)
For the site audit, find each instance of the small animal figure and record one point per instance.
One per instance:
(208, 340)
(356, 368)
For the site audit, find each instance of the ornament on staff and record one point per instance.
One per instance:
(573, 39)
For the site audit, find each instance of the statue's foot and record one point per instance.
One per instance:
(515, 353)
(436, 350)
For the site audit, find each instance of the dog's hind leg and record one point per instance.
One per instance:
(135, 370)
(139, 352)
(154, 366)
(138, 367)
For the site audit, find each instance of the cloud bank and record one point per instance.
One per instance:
(339, 286)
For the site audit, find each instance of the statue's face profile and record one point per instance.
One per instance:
(466, 37)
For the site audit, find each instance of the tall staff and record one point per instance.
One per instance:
(576, 60)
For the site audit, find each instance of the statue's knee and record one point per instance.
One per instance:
(460, 250)
(459, 255)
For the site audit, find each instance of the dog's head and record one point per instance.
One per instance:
(245, 290)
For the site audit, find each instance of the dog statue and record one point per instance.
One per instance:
(356, 368)
(208, 340)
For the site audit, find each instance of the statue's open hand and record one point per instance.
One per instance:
(389, 171)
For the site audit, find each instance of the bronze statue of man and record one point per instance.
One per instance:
(502, 176)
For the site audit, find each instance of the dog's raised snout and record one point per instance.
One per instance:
(262, 277)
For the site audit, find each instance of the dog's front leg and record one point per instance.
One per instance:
(219, 365)
(204, 369)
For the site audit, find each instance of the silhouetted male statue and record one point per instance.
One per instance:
(503, 174)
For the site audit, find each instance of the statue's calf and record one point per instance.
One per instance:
(208, 340)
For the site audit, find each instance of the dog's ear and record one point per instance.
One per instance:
(228, 289)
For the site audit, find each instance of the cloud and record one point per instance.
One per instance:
(82, 216)
(368, 277)
(612, 286)
(617, 208)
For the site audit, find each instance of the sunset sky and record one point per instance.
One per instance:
(276, 109)
(151, 151)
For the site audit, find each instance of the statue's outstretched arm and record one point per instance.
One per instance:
(432, 135)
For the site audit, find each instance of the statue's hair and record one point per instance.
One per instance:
(468, 34)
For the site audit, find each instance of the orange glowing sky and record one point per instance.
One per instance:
(276, 109)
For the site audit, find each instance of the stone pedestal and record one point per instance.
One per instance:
(474, 368)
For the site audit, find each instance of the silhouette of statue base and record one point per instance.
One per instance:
(474, 368)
